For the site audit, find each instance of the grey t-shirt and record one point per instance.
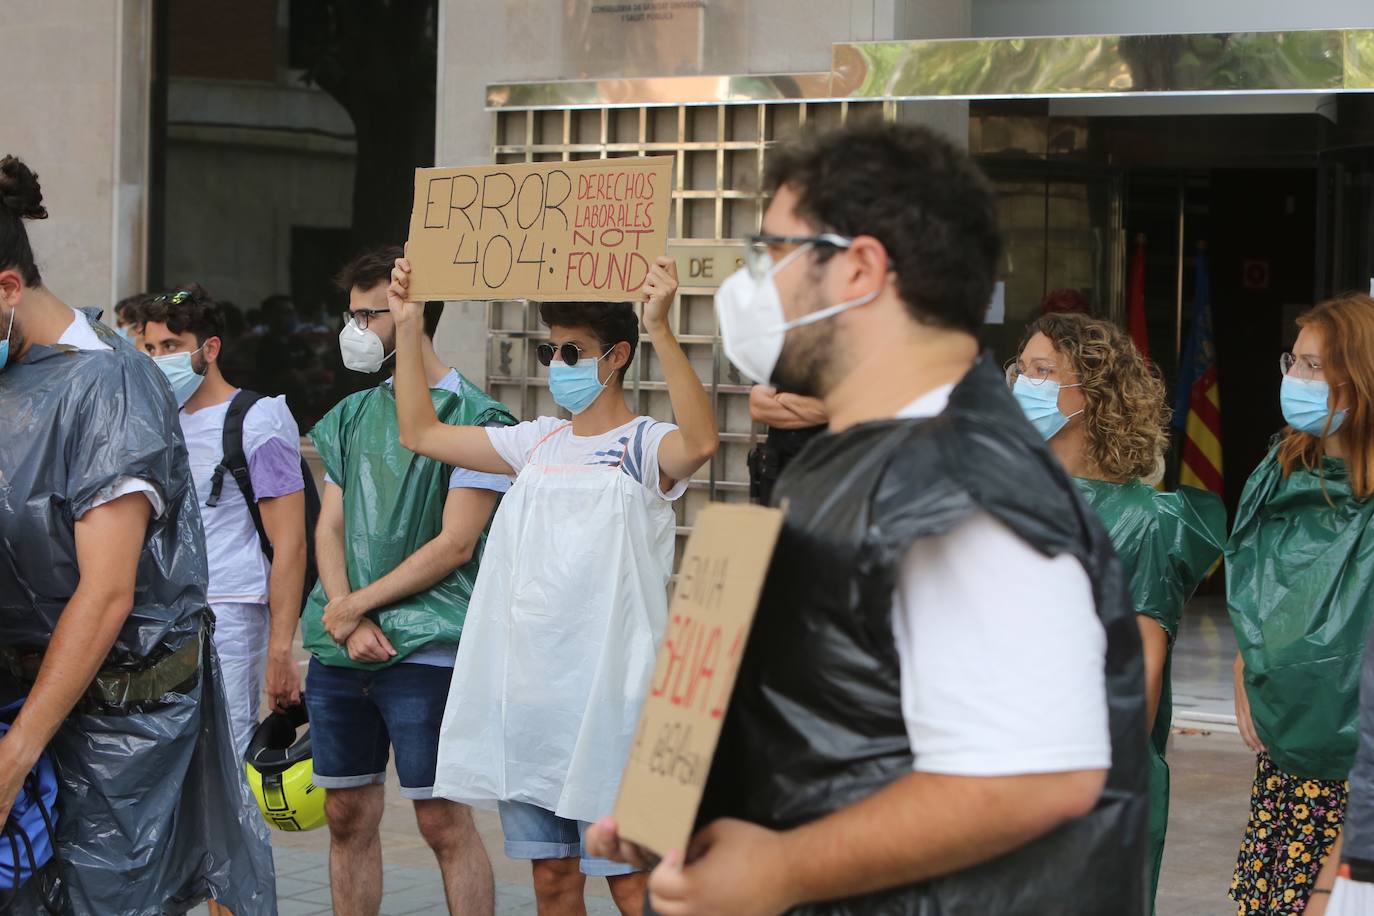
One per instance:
(1359, 811)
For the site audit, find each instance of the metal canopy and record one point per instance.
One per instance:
(1079, 66)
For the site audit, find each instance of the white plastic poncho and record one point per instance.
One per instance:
(559, 643)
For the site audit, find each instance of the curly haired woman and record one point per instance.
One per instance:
(1300, 586)
(1083, 384)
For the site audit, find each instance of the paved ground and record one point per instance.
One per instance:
(411, 878)
(1211, 772)
(1211, 769)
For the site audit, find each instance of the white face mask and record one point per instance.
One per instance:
(362, 350)
(752, 323)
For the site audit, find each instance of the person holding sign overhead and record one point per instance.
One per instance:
(571, 603)
(939, 709)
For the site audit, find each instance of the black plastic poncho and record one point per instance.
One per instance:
(154, 813)
(815, 723)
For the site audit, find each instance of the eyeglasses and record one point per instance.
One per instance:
(568, 353)
(1036, 375)
(176, 298)
(758, 249)
(362, 316)
(1303, 367)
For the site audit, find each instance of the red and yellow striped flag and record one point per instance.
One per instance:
(1197, 407)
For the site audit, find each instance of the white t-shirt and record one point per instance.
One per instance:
(1002, 654)
(239, 571)
(633, 447)
(80, 335)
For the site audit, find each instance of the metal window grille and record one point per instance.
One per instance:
(722, 154)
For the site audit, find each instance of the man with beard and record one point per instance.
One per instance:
(256, 552)
(940, 708)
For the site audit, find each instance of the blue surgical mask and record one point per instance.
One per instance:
(1304, 403)
(574, 388)
(1040, 403)
(182, 376)
(5, 344)
(123, 331)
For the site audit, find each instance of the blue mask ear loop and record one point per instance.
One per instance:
(5, 349)
(1079, 411)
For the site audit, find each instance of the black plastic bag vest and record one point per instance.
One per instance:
(154, 813)
(816, 723)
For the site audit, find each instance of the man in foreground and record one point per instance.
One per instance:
(940, 709)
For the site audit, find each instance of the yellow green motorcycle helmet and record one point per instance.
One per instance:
(281, 773)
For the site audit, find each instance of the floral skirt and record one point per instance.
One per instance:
(1293, 822)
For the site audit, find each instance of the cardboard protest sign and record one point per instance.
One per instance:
(717, 592)
(539, 230)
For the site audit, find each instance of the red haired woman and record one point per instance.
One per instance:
(1300, 585)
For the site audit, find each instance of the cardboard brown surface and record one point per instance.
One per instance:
(717, 593)
(542, 230)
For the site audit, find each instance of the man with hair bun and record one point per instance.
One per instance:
(104, 626)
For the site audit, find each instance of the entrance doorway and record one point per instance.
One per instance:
(1274, 204)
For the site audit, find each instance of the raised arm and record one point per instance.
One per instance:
(695, 440)
(107, 555)
(420, 427)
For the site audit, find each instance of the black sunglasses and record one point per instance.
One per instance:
(569, 353)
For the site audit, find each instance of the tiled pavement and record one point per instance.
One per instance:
(1211, 783)
(302, 890)
(411, 882)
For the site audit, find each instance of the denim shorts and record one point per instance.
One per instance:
(533, 832)
(357, 717)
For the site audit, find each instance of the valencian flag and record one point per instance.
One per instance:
(1135, 306)
(1197, 404)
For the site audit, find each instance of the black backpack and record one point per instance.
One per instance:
(235, 462)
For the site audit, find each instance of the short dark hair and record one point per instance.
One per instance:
(188, 307)
(368, 269)
(917, 193)
(20, 198)
(129, 310)
(609, 322)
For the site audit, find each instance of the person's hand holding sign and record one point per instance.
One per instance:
(732, 867)
(657, 293)
(403, 311)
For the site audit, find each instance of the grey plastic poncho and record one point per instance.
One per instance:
(153, 810)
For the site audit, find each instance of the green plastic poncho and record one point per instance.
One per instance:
(393, 505)
(1167, 542)
(1300, 585)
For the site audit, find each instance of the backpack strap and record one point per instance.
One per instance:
(235, 463)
